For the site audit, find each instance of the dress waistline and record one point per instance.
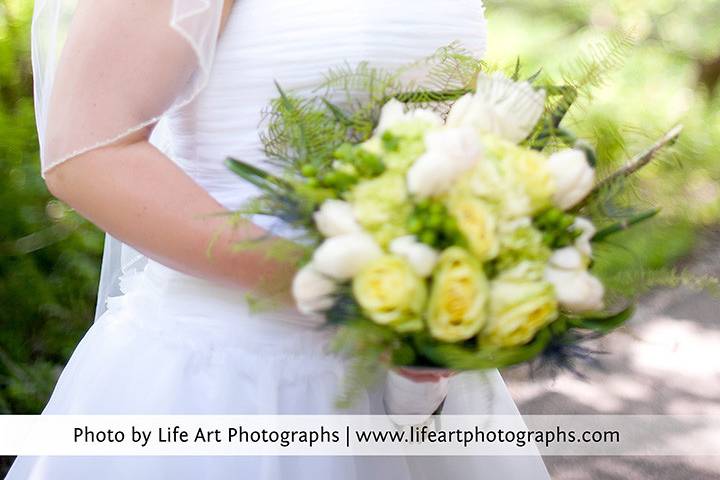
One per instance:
(172, 296)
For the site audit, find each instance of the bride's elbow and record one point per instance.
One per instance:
(57, 182)
(68, 180)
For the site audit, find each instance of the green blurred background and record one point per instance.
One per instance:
(49, 257)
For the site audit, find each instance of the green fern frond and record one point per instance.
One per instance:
(617, 186)
(590, 71)
(300, 131)
(452, 68)
(367, 346)
(578, 80)
(445, 76)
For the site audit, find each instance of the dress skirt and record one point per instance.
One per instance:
(176, 344)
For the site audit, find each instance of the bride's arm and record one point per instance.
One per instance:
(134, 192)
(122, 65)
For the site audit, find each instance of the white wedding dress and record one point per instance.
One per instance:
(174, 344)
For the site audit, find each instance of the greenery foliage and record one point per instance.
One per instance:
(49, 257)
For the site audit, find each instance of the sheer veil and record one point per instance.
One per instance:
(145, 59)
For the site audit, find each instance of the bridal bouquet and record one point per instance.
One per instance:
(446, 220)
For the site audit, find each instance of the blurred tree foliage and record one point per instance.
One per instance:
(670, 75)
(49, 258)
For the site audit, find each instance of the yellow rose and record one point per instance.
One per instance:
(524, 168)
(390, 293)
(520, 305)
(457, 309)
(477, 223)
(382, 206)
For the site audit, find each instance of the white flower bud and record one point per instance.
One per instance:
(425, 116)
(588, 230)
(335, 217)
(577, 291)
(462, 145)
(574, 178)
(422, 258)
(343, 256)
(312, 290)
(393, 113)
(430, 175)
(568, 258)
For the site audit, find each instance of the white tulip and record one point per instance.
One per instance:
(499, 107)
(343, 256)
(574, 177)
(430, 175)
(450, 152)
(462, 145)
(393, 113)
(422, 258)
(312, 291)
(587, 231)
(568, 258)
(425, 116)
(335, 217)
(461, 113)
(577, 290)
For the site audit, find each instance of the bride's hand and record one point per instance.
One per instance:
(424, 375)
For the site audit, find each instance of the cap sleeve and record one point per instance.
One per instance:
(107, 68)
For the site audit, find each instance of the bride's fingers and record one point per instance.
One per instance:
(424, 375)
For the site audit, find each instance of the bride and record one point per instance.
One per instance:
(138, 104)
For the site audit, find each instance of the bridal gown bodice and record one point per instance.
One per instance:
(296, 42)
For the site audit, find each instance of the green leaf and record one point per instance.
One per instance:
(549, 126)
(569, 95)
(289, 106)
(516, 73)
(459, 357)
(254, 175)
(337, 112)
(531, 79)
(604, 324)
(428, 96)
(624, 224)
